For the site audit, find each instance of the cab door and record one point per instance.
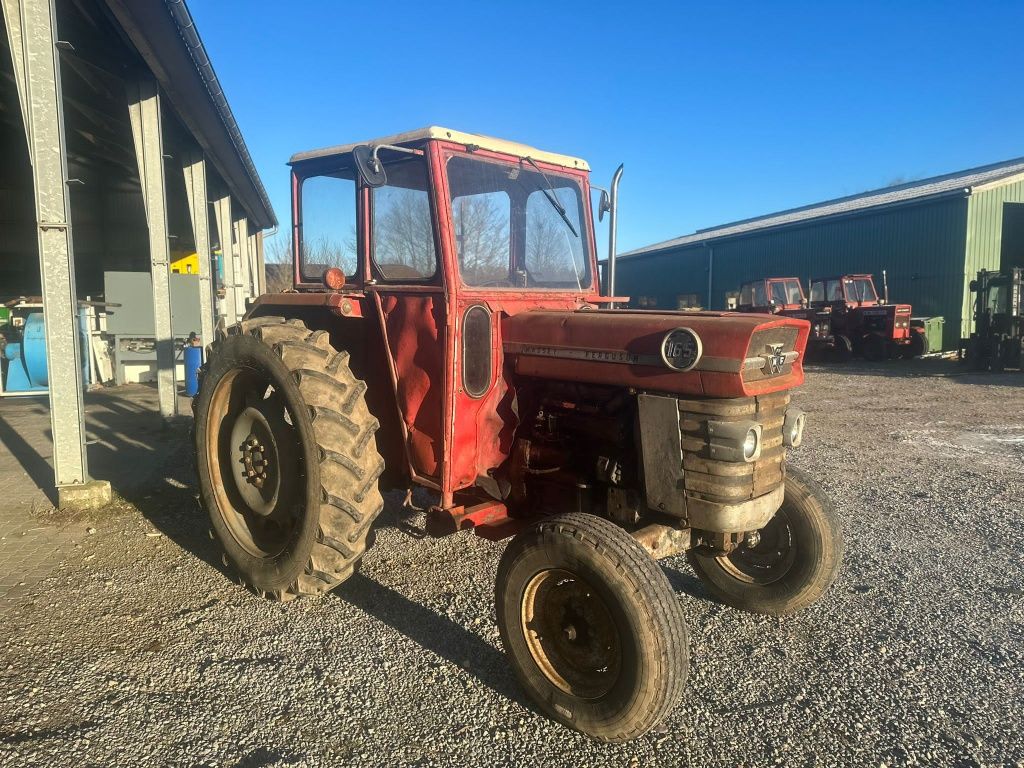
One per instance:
(405, 280)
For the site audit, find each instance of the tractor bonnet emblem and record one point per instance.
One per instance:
(774, 359)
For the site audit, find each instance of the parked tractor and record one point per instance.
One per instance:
(860, 323)
(450, 334)
(785, 296)
(997, 341)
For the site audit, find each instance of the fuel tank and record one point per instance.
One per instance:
(714, 354)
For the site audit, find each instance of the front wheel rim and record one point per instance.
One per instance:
(769, 560)
(570, 634)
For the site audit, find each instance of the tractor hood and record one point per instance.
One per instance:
(725, 354)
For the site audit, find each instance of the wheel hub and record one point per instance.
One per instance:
(570, 633)
(256, 459)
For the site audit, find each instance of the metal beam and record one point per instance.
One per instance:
(194, 167)
(244, 262)
(31, 34)
(144, 110)
(225, 232)
(261, 264)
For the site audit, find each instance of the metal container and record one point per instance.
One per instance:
(933, 328)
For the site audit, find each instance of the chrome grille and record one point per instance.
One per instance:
(732, 481)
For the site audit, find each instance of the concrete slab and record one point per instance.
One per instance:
(127, 442)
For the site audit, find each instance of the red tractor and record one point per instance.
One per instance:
(785, 296)
(861, 324)
(446, 330)
(772, 295)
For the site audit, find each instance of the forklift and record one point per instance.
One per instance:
(998, 337)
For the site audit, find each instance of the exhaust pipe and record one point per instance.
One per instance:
(613, 215)
(885, 286)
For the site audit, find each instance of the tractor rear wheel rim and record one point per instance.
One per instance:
(570, 634)
(255, 449)
(767, 561)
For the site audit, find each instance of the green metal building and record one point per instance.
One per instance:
(930, 236)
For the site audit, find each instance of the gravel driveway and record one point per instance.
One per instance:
(140, 650)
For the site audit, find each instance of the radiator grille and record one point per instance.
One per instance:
(731, 481)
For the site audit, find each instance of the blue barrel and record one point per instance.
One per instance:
(193, 359)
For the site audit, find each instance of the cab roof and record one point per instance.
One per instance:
(447, 134)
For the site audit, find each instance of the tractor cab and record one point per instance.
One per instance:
(848, 291)
(437, 209)
(772, 295)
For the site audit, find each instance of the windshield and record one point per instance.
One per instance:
(516, 227)
(860, 289)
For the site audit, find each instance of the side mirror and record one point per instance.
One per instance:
(369, 167)
(604, 206)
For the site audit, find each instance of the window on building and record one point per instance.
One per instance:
(688, 301)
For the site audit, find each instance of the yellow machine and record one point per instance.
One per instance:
(186, 265)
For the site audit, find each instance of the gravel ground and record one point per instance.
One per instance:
(139, 650)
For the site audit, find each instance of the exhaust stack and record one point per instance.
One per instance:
(613, 215)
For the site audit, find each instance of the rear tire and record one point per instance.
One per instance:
(286, 457)
(918, 345)
(591, 626)
(794, 564)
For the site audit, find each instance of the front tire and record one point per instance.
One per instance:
(286, 457)
(793, 564)
(842, 349)
(592, 627)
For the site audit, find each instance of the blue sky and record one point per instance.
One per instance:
(720, 111)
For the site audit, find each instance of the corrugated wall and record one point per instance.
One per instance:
(985, 235)
(921, 246)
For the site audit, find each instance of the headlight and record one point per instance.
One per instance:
(734, 440)
(681, 349)
(793, 427)
(750, 445)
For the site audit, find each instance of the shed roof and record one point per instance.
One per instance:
(961, 182)
(459, 137)
(166, 37)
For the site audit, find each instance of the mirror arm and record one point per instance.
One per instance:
(378, 147)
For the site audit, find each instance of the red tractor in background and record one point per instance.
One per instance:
(845, 314)
(860, 323)
(785, 296)
(446, 330)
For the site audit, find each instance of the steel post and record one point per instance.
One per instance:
(144, 110)
(244, 263)
(225, 232)
(259, 268)
(31, 34)
(194, 167)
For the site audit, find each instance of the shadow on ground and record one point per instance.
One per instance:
(435, 633)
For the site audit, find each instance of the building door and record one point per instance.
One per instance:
(1012, 251)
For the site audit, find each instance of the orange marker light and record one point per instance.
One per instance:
(334, 278)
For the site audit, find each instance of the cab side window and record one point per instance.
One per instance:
(760, 298)
(403, 245)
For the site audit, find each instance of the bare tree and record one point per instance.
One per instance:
(403, 235)
(482, 238)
